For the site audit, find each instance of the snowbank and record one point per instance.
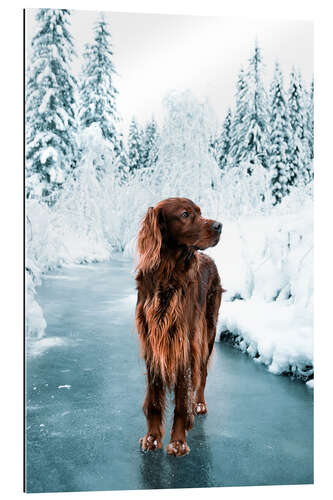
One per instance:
(266, 266)
(276, 334)
(267, 257)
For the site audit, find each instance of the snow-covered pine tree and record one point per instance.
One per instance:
(212, 145)
(300, 155)
(220, 147)
(122, 159)
(150, 153)
(97, 90)
(256, 142)
(135, 146)
(310, 120)
(50, 105)
(307, 167)
(281, 139)
(238, 131)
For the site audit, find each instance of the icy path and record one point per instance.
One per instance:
(85, 388)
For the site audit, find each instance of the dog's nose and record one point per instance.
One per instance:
(217, 226)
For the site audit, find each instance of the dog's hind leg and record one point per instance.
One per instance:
(200, 405)
(212, 309)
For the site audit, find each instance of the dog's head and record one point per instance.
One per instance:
(172, 223)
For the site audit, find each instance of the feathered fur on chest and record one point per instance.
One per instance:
(163, 328)
(167, 342)
(164, 315)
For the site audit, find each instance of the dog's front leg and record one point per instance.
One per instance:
(183, 416)
(153, 408)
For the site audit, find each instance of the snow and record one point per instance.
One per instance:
(56, 174)
(45, 73)
(45, 104)
(35, 322)
(266, 266)
(277, 334)
(48, 153)
(268, 257)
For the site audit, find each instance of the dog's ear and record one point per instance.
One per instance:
(150, 240)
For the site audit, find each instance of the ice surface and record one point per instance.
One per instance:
(254, 418)
(40, 346)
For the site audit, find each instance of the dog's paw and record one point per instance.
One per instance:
(200, 408)
(178, 448)
(150, 443)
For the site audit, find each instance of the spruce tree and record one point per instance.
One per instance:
(310, 120)
(50, 105)
(255, 151)
(222, 144)
(122, 159)
(300, 156)
(280, 140)
(135, 147)
(150, 153)
(307, 167)
(97, 90)
(238, 130)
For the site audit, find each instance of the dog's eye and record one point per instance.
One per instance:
(185, 214)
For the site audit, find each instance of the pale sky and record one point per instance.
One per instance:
(155, 53)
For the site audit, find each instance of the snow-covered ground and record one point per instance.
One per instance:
(276, 334)
(266, 266)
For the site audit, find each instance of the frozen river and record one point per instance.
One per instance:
(85, 389)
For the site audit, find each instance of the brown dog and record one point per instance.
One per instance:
(179, 295)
